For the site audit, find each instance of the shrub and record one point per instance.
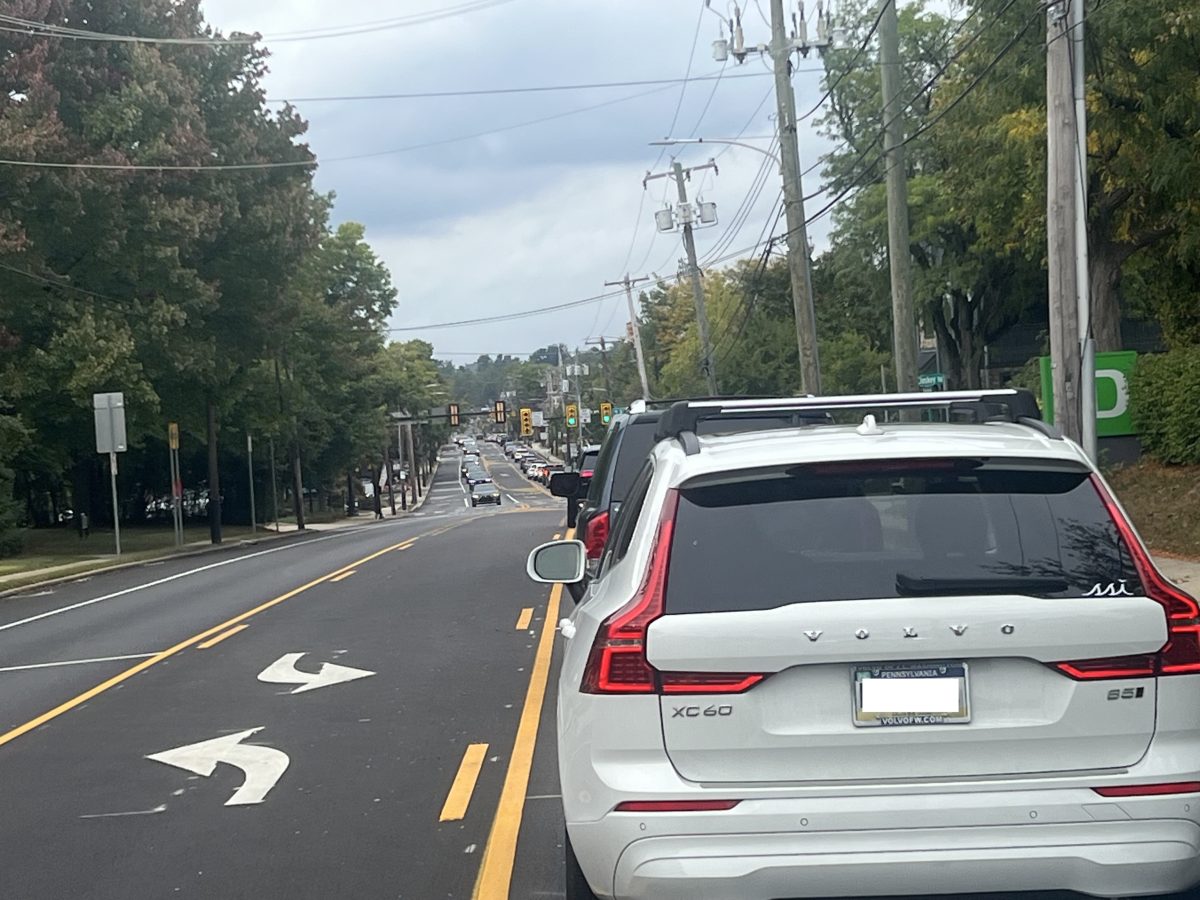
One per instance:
(1166, 404)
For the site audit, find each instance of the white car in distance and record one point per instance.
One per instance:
(875, 659)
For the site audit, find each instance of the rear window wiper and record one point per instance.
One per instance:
(911, 586)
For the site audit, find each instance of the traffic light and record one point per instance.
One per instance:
(572, 415)
(500, 412)
(526, 421)
(452, 409)
(605, 412)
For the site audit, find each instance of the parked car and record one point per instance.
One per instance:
(875, 658)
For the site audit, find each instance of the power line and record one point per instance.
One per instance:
(43, 29)
(532, 89)
(291, 164)
(691, 57)
(862, 48)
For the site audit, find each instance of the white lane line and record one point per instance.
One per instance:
(512, 499)
(175, 577)
(77, 662)
(132, 812)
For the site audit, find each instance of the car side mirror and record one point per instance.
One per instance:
(564, 484)
(557, 562)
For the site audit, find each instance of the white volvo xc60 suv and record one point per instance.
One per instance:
(891, 657)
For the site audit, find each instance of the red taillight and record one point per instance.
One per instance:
(618, 663)
(645, 806)
(595, 536)
(1149, 790)
(708, 682)
(1180, 655)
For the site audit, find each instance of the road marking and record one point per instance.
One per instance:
(523, 619)
(263, 765)
(455, 807)
(343, 576)
(557, 535)
(213, 641)
(175, 577)
(133, 812)
(511, 498)
(284, 671)
(76, 662)
(87, 695)
(499, 856)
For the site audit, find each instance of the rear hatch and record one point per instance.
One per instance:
(905, 615)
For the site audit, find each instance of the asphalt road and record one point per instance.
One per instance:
(374, 708)
(379, 785)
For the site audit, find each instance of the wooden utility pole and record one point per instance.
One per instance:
(793, 204)
(904, 320)
(680, 174)
(1060, 223)
(603, 345)
(637, 332)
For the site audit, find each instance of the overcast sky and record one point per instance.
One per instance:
(535, 215)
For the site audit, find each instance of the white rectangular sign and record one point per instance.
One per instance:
(109, 412)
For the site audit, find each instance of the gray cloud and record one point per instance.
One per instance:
(529, 216)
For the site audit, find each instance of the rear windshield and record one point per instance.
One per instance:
(588, 462)
(902, 528)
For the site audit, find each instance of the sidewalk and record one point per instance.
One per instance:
(96, 564)
(1184, 572)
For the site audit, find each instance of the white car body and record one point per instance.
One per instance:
(1007, 802)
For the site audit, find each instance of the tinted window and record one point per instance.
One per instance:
(588, 461)
(626, 518)
(767, 538)
(636, 444)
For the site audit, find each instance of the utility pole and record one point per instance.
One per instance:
(904, 320)
(793, 204)
(637, 332)
(578, 402)
(1060, 223)
(1087, 379)
(562, 405)
(414, 476)
(250, 472)
(603, 344)
(686, 215)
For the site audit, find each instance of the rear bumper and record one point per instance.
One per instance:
(1125, 858)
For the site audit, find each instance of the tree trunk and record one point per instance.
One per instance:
(351, 499)
(1105, 280)
(214, 477)
(297, 486)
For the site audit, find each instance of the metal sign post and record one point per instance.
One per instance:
(250, 467)
(109, 413)
(176, 482)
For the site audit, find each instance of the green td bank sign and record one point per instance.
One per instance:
(1114, 371)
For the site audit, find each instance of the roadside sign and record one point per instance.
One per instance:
(586, 416)
(173, 435)
(539, 419)
(109, 412)
(931, 380)
(1114, 371)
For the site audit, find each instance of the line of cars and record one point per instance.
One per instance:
(476, 478)
(824, 648)
(532, 464)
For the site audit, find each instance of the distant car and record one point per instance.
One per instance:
(476, 476)
(485, 493)
(545, 471)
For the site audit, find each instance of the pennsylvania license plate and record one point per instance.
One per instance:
(900, 694)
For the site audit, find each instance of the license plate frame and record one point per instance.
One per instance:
(940, 677)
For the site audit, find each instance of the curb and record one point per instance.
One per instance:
(201, 551)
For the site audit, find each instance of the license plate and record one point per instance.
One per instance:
(904, 694)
